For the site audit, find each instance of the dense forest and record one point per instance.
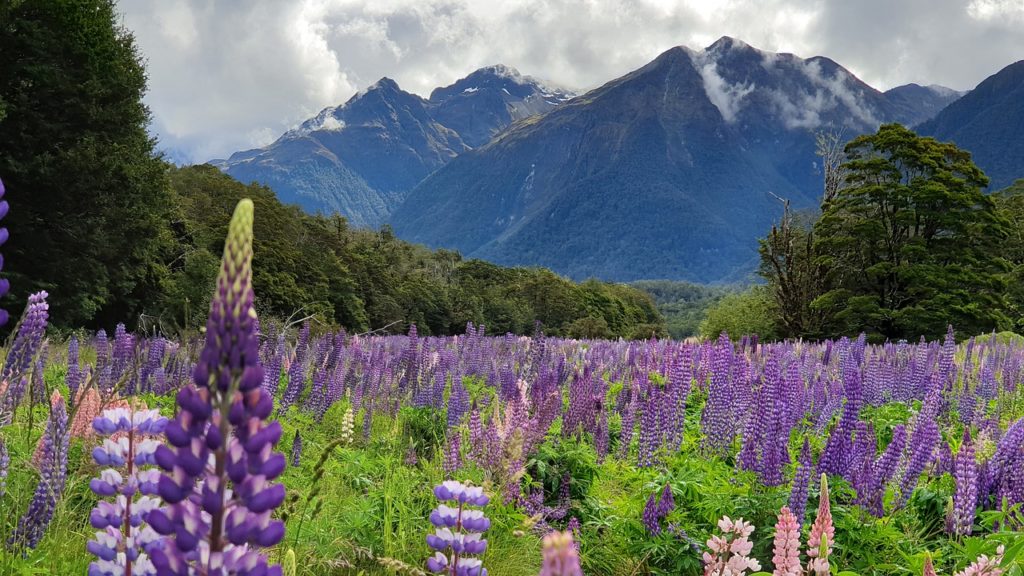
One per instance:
(116, 234)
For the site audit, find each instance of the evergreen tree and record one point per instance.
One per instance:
(88, 197)
(910, 243)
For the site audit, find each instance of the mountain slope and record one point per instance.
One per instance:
(915, 103)
(667, 172)
(989, 122)
(360, 158)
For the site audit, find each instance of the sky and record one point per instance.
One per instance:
(229, 75)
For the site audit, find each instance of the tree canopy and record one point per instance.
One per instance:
(910, 243)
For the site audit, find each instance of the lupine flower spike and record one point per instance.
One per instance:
(786, 557)
(458, 530)
(823, 533)
(560, 556)
(220, 460)
(5, 285)
(728, 554)
(123, 542)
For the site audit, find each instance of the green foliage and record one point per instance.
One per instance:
(911, 242)
(89, 196)
(683, 304)
(741, 313)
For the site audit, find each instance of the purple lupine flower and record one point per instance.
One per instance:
(296, 458)
(961, 518)
(459, 528)
(649, 428)
(923, 442)
(221, 461)
(38, 383)
(23, 351)
(801, 483)
(53, 470)
(124, 350)
(884, 469)
(716, 420)
(650, 515)
(75, 376)
(123, 541)
(275, 360)
(296, 372)
(452, 454)
(1004, 477)
(5, 284)
(667, 503)
(458, 402)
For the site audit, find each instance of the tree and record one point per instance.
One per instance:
(788, 261)
(910, 242)
(1010, 202)
(88, 196)
(741, 314)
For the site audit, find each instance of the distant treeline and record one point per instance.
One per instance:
(684, 304)
(363, 279)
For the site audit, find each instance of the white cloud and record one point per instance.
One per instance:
(225, 73)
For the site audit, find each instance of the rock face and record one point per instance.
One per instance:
(361, 158)
(670, 171)
(988, 121)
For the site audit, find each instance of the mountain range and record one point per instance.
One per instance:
(671, 171)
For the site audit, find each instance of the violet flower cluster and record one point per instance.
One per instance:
(219, 458)
(123, 540)
(459, 530)
(53, 469)
(22, 354)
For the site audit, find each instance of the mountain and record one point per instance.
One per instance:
(915, 103)
(483, 103)
(988, 122)
(671, 171)
(361, 158)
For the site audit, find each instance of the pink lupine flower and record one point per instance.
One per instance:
(787, 545)
(823, 534)
(985, 566)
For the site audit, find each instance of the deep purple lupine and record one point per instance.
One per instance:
(923, 442)
(1004, 477)
(219, 458)
(123, 356)
(801, 483)
(961, 519)
(22, 353)
(650, 515)
(38, 367)
(836, 458)
(884, 469)
(716, 420)
(53, 468)
(649, 441)
(667, 503)
(459, 528)
(123, 541)
(296, 372)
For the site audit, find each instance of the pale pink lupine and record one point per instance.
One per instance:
(823, 534)
(985, 566)
(929, 568)
(787, 545)
(728, 553)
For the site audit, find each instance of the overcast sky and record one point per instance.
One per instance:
(226, 75)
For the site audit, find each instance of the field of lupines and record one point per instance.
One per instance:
(260, 448)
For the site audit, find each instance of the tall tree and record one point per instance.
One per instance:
(910, 242)
(88, 196)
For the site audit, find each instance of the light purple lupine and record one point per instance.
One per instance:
(884, 469)
(20, 357)
(5, 462)
(129, 478)
(5, 284)
(459, 527)
(961, 517)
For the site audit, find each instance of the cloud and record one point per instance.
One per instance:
(232, 74)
